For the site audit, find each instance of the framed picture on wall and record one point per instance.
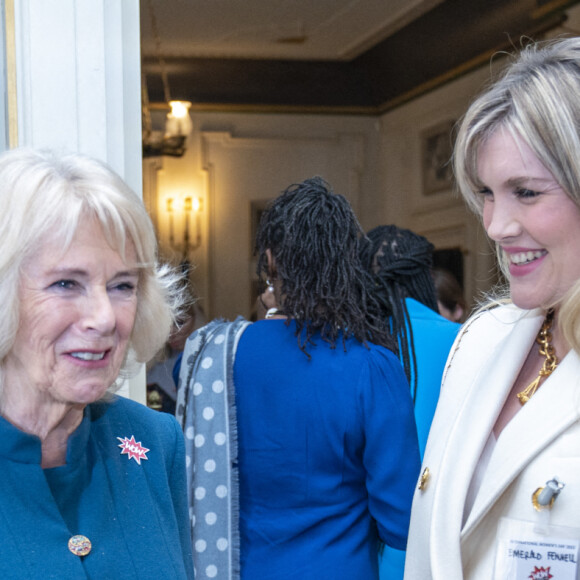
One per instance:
(436, 150)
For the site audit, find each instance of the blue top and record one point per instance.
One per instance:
(433, 337)
(134, 514)
(325, 445)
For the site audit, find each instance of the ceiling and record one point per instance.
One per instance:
(354, 56)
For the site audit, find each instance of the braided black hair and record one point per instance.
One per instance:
(400, 262)
(313, 235)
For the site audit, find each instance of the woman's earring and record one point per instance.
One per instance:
(270, 286)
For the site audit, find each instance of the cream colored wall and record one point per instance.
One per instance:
(235, 159)
(440, 216)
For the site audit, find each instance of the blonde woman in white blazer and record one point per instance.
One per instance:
(499, 494)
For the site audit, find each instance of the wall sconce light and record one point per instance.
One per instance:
(178, 121)
(188, 238)
(171, 138)
(178, 126)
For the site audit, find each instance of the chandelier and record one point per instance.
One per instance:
(172, 138)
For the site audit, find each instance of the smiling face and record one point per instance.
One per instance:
(77, 310)
(532, 219)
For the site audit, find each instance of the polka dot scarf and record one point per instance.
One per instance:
(206, 411)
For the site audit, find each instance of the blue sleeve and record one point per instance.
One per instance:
(391, 453)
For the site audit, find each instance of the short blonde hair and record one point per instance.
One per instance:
(536, 99)
(47, 196)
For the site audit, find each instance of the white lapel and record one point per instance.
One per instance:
(481, 405)
(552, 410)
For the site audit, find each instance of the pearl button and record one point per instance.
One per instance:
(79, 545)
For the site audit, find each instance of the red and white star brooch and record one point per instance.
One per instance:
(133, 449)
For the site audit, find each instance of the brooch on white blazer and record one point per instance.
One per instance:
(544, 497)
(133, 449)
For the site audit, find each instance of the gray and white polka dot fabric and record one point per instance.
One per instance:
(206, 411)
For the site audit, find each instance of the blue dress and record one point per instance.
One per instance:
(328, 455)
(134, 513)
(433, 338)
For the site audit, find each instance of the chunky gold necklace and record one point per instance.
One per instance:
(544, 339)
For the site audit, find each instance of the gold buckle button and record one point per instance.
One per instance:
(424, 479)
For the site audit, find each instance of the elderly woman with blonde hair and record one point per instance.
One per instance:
(93, 485)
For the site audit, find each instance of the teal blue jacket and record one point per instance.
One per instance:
(133, 512)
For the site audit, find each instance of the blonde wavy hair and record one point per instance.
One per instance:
(535, 98)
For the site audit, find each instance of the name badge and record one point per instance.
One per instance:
(526, 551)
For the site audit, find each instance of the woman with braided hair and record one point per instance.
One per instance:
(400, 261)
(326, 440)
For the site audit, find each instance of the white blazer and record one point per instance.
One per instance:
(541, 441)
